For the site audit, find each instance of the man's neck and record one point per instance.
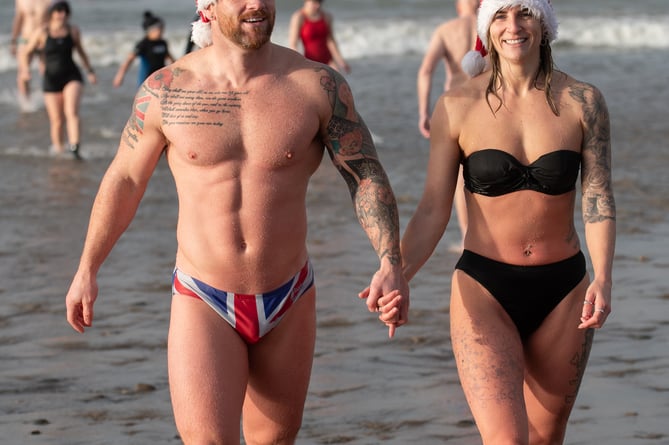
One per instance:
(239, 64)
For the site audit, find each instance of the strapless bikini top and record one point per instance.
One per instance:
(492, 172)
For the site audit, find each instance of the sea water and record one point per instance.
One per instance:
(364, 389)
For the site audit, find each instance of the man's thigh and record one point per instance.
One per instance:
(208, 372)
(280, 369)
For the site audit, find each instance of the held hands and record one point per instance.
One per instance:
(596, 306)
(388, 294)
(79, 302)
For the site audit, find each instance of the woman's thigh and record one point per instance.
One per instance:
(489, 357)
(556, 356)
(53, 102)
(72, 97)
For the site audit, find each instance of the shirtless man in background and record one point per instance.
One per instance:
(243, 124)
(450, 42)
(29, 15)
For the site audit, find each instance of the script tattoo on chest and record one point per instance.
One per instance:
(199, 107)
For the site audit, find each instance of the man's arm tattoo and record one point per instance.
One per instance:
(159, 81)
(598, 202)
(350, 146)
(135, 125)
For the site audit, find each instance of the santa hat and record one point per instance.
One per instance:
(474, 63)
(201, 34)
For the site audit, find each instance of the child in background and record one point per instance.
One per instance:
(152, 51)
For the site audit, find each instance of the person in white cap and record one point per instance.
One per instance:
(523, 307)
(243, 124)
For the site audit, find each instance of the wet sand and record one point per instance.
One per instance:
(109, 386)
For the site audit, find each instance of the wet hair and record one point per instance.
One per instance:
(151, 20)
(546, 67)
(59, 5)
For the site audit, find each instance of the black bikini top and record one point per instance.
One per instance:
(492, 172)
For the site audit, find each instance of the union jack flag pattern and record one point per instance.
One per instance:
(252, 316)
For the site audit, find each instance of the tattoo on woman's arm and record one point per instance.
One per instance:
(598, 202)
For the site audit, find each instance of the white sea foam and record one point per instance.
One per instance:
(370, 37)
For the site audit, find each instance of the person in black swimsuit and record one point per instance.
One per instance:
(63, 82)
(523, 306)
(152, 51)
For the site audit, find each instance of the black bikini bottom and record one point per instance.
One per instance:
(527, 293)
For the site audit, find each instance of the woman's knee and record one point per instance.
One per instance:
(56, 118)
(273, 434)
(552, 434)
(200, 435)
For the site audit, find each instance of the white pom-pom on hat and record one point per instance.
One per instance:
(201, 34)
(474, 61)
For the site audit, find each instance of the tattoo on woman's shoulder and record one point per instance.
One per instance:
(595, 116)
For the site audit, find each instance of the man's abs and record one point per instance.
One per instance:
(247, 251)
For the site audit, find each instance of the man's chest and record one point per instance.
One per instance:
(212, 127)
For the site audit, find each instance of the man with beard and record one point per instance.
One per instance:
(243, 124)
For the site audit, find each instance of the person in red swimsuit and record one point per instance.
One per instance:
(313, 27)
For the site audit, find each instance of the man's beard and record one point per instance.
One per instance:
(255, 39)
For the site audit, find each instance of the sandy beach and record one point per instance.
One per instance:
(109, 386)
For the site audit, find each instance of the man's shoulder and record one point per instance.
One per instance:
(22, 5)
(284, 66)
(453, 28)
(33, 6)
(291, 63)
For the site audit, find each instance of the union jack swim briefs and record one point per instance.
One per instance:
(252, 316)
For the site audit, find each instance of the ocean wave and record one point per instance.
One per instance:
(635, 32)
(408, 36)
(381, 37)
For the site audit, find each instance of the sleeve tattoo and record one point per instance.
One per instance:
(349, 144)
(598, 202)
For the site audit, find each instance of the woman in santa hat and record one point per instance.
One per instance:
(523, 307)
